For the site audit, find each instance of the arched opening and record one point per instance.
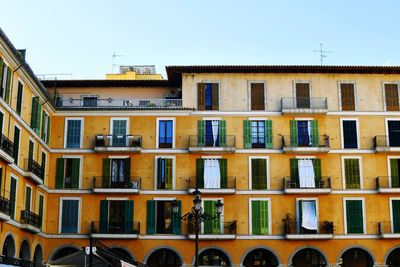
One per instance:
(393, 260)
(356, 257)
(308, 257)
(164, 257)
(214, 257)
(9, 247)
(122, 253)
(24, 252)
(260, 257)
(65, 251)
(38, 256)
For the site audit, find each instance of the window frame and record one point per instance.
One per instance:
(22, 97)
(315, 199)
(222, 219)
(384, 94)
(80, 169)
(45, 139)
(391, 212)
(4, 79)
(360, 166)
(156, 171)
(340, 95)
(294, 82)
(249, 83)
(387, 128)
(12, 176)
(219, 95)
(19, 143)
(66, 131)
(173, 119)
(79, 199)
(126, 130)
(268, 199)
(31, 200)
(250, 171)
(389, 167)
(342, 132)
(4, 115)
(363, 214)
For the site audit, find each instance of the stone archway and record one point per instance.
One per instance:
(393, 259)
(38, 256)
(214, 257)
(308, 257)
(24, 251)
(62, 252)
(260, 257)
(9, 247)
(357, 257)
(164, 257)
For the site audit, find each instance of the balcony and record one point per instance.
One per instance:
(8, 261)
(115, 230)
(31, 221)
(296, 144)
(304, 105)
(223, 231)
(388, 184)
(4, 208)
(386, 143)
(34, 170)
(228, 187)
(389, 229)
(105, 184)
(118, 143)
(294, 231)
(6, 149)
(322, 186)
(117, 103)
(226, 144)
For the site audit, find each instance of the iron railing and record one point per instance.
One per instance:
(387, 182)
(389, 227)
(218, 228)
(227, 141)
(5, 205)
(6, 145)
(289, 141)
(295, 228)
(114, 227)
(323, 182)
(118, 140)
(16, 262)
(386, 141)
(31, 218)
(145, 103)
(304, 103)
(201, 183)
(134, 182)
(34, 167)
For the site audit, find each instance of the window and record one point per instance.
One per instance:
(165, 133)
(116, 217)
(394, 178)
(352, 173)
(73, 133)
(119, 132)
(214, 225)
(30, 150)
(165, 173)
(36, 114)
(393, 129)
(13, 197)
(69, 215)
(259, 178)
(350, 133)
(45, 127)
(305, 173)
(211, 133)
(304, 133)
(116, 173)
(257, 133)
(43, 166)
(19, 98)
(347, 95)
(257, 93)
(5, 80)
(41, 207)
(211, 173)
(391, 96)
(260, 217)
(208, 96)
(16, 144)
(68, 173)
(354, 216)
(161, 219)
(302, 95)
(90, 101)
(307, 217)
(28, 198)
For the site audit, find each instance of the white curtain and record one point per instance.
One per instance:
(309, 215)
(306, 173)
(114, 171)
(212, 175)
(215, 127)
(309, 128)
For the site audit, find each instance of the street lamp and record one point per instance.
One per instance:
(196, 216)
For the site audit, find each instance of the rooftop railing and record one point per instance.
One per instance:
(146, 103)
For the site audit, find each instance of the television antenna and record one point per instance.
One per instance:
(114, 56)
(323, 53)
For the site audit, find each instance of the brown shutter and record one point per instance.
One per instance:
(200, 95)
(392, 97)
(347, 94)
(257, 96)
(215, 96)
(302, 95)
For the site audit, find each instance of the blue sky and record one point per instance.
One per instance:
(80, 36)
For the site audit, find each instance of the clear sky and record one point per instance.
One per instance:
(80, 36)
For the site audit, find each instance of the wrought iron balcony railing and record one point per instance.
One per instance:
(317, 103)
(389, 227)
(215, 228)
(204, 183)
(16, 262)
(387, 182)
(227, 141)
(34, 167)
(6, 145)
(4, 205)
(118, 140)
(114, 227)
(323, 182)
(295, 228)
(304, 141)
(110, 182)
(31, 218)
(386, 141)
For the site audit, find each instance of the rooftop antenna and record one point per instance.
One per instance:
(323, 53)
(115, 55)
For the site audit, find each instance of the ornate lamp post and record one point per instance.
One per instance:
(196, 216)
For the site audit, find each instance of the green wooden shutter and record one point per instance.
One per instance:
(208, 223)
(19, 98)
(317, 172)
(255, 175)
(200, 173)
(314, 133)
(264, 217)
(60, 173)
(48, 131)
(127, 170)
(34, 112)
(28, 196)
(394, 173)
(300, 209)
(1, 71)
(104, 216)
(352, 173)
(106, 173)
(223, 169)
(247, 134)
(159, 173)
(256, 217)
(41, 206)
(200, 133)
(43, 125)
(151, 217)
(396, 216)
(75, 173)
(293, 134)
(268, 134)
(8, 85)
(13, 192)
(176, 220)
(222, 133)
(168, 174)
(129, 208)
(39, 117)
(16, 144)
(354, 217)
(294, 170)
(1, 122)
